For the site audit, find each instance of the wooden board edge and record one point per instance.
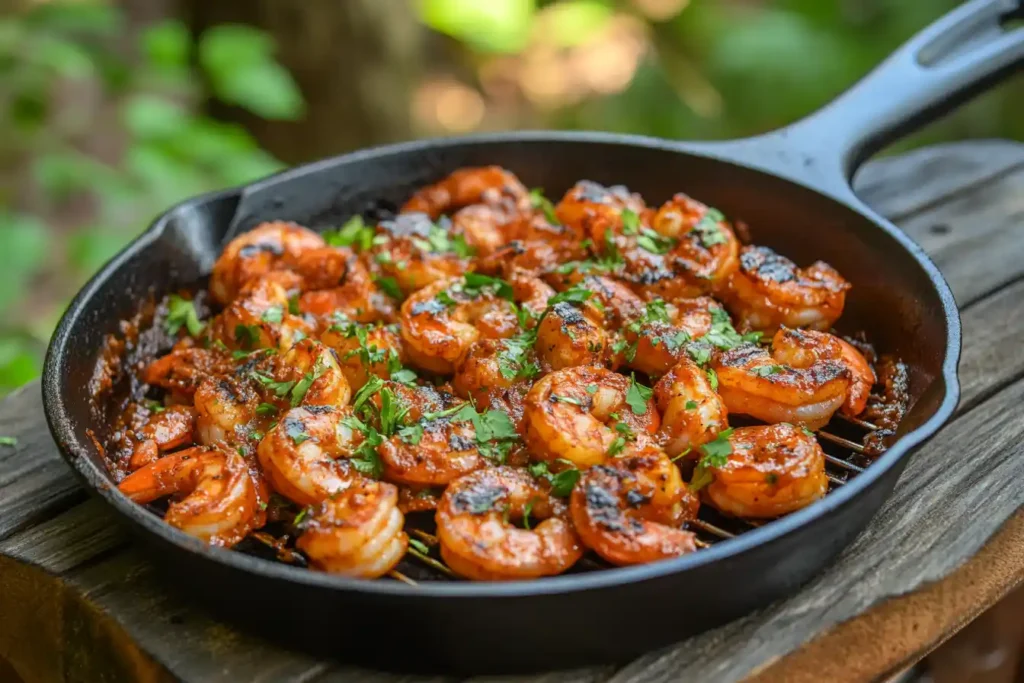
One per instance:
(904, 629)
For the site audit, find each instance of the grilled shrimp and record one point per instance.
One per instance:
(768, 291)
(365, 350)
(184, 369)
(789, 384)
(417, 500)
(334, 280)
(437, 452)
(478, 539)
(772, 470)
(629, 511)
(659, 341)
(163, 431)
(416, 252)
(220, 503)
(315, 378)
(689, 251)
(572, 335)
(804, 348)
(303, 455)
(591, 209)
(490, 185)
(267, 247)
(259, 318)
(495, 368)
(438, 333)
(356, 532)
(581, 414)
(691, 412)
(224, 407)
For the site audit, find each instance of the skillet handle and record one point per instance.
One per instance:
(945, 64)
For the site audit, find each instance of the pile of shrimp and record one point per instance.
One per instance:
(542, 379)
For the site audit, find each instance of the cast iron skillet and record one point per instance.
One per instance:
(791, 186)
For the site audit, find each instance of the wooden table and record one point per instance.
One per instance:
(79, 602)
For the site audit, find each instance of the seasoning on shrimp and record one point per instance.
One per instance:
(540, 378)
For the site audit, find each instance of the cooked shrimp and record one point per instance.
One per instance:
(482, 227)
(365, 350)
(442, 320)
(265, 248)
(259, 318)
(415, 251)
(478, 539)
(163, 431)
(788, 384)
(493, 367)
(772, 470)
(768, 291)
(224, 407)
(440, 451)
(220, 504)
(582, 415)
(572, 335)
(356, 532)
(184, 369)
(691, 412)
(690, 250)
(412, 499)
(591, 209)
(334, 280)
(630, 510)
(863, 378)
(658, 340)
(804, 348)
(313, 375)
(490, 185)
(303, 456)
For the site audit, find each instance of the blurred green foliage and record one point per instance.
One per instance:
(99, 129)
(66, 75)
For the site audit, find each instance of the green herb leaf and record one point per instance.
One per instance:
(709, 230)
(182, 312)
(274, 314)
(266, 409)
(616, 446)
(651, 241)
(293, 304)
(295, 430)
(372, 386)
(713, 379)
(389, 286)
(577, 294)
(637, 396)
(561, 483)
(591, 389)
(247, 336)
(567, 399)
(355, 233)
(477, 284)
(691, 405)
(527, 509)
(420, 546)
(539, 201)
(630, 222)
(766, 370)
(411, 434)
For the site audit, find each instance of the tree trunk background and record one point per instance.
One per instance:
(356, 63)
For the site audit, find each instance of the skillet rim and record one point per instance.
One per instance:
(76, 451)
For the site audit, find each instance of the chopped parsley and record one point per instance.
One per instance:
(712, 379)
(153, 406)
(247, 336)
(715, 453)
(723, 335)
(561, 483)
(266, 409)
(182, 313)
(766, 370)
(495, 432)
(539, 201)
(302, 386)
(691, 405)
(274, 314)
(567, 399)
(354, 233)
(577, 294)
(616, 446)
(637, 396)
(651, 241)
(591, 389)
(419, 546)
(514, 357)
(630, 222)
(389, 286)
(527, 509)
(438, 241)
(477, 284)
(708, 230)
(293, 304)
(397, 373)
(610, 257)
(296, 431)
(280, 389)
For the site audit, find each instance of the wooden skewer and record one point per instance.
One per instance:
(863, 424)
(427, 538)
(839, 462)
(835, 480)
(710, 528)
(846, 443)
(432, 563)
(395, 574)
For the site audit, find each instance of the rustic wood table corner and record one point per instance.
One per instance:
(80, 602)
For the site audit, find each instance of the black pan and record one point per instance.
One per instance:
(791, 186)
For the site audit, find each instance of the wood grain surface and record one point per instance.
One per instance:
(81, 603)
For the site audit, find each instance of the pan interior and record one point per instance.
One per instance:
(893, 299)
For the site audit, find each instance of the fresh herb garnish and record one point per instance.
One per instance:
(153, 406)
(280, 389)
(182, 312)
(274, 314)
(577, 294)
(591, 389)
(567, 399)
(630, 222)
(561, 483)
(527, 509)
(651, 241)
(477, 284)
(539, 201)
(293, 304)
(302, 386)
(713, 379)
(419, 546)
(691, 405)
(616, 446)
(389, 286)
(266, 409)
(296, 431)
(708, 229)
(715, 454)
(637, 396)
(766, 370)
(353, 233)
(513, 359)
(247, 336)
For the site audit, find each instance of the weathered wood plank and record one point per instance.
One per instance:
(36, 483)
(195, 647)
(899, 186)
